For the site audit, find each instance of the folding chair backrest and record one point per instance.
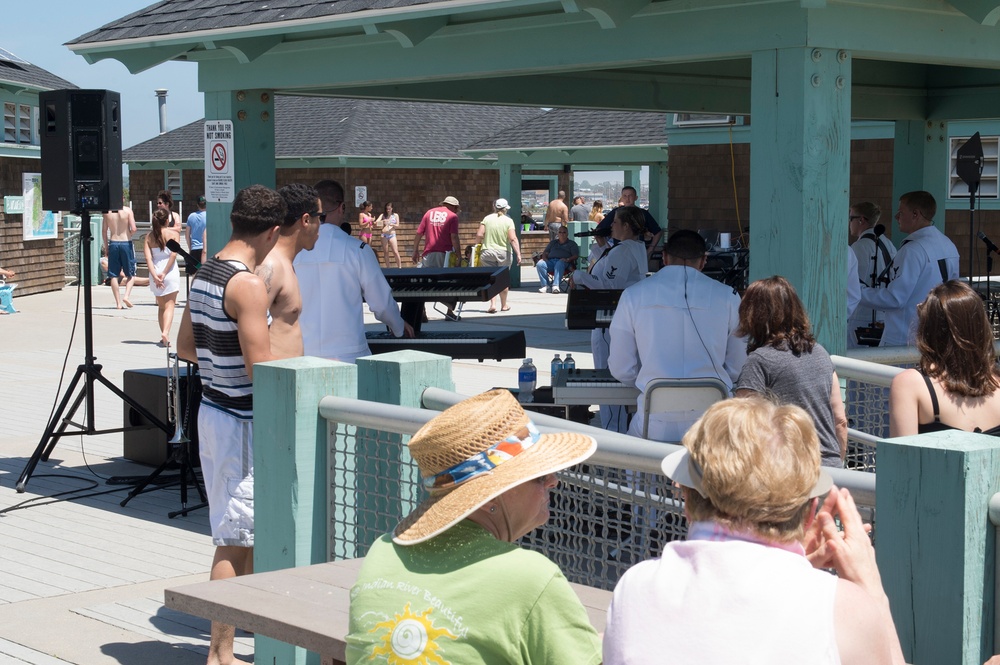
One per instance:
(680, 396)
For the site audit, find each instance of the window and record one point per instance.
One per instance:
(696, 119)
(957, 189)
(173, 184)
(9, 122)
(20, 123)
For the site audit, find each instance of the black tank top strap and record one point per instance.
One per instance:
(934, 399)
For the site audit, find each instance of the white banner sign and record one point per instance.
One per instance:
(220, 180)
(38, 224)
(360, 195)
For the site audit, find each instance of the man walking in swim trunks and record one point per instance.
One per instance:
(224, 330)
(117, 232)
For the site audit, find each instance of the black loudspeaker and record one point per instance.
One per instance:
(81, 143)
(149, 388)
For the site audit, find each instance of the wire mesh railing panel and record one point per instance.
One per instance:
(71, 252)
(604, 520)
(603, 516)
(373, 482)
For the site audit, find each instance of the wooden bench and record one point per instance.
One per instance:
(306, 606)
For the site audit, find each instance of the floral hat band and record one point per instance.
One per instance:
(484, 462)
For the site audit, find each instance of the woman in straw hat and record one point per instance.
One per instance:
(744, 587)
(449, 585)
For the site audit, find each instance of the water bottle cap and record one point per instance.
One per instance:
(527, 361)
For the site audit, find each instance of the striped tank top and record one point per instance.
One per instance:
(225, 382)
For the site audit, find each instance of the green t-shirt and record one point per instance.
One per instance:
(464, 598)
(495, 233)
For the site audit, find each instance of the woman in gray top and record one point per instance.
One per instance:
(785, 363)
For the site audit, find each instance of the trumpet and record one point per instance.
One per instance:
(174, 399)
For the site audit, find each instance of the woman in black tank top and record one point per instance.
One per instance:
(956, 383)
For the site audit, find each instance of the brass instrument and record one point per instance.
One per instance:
(174, 400)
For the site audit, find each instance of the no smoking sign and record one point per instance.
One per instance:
(220, 158)
(219, 179)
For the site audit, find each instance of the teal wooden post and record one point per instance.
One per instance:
(290, 469)
(252, 114)
(658, 192)
(510, 189)
(920, 160)
(934, 543)
(386, 485)
(799, 168)
(633, 178)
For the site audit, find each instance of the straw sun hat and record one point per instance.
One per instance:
(475, 451)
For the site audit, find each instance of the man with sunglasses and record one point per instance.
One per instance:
(334, 277)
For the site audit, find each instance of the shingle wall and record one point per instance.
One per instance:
(412, 192)
(40, 264)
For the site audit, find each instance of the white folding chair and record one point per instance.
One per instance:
(680, 396)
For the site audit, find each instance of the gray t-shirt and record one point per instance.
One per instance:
(804, 380)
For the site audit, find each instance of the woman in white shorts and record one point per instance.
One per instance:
(164, 278)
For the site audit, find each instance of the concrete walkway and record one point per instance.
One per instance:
(82, 578)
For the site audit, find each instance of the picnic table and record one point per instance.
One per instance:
(306, 606)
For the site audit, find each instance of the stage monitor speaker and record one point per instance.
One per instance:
(149, 388)
(81, 143)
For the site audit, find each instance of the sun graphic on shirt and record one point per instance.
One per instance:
(411, 639)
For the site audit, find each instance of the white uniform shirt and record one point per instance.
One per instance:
(914, 272)
(853, 284)
(657, 333)
(625, 264)
(333, 278)
(868, 255)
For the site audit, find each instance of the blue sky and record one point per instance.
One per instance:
(38, 36)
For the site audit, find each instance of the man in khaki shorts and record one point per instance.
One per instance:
(496, 231)
(556, 215)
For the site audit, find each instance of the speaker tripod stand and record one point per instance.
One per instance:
(89, 373)
(180, 445)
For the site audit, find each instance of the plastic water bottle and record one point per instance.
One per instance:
(526, 377)
(569, 363)
(556, 366)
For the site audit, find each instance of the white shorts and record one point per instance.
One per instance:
(226, 451)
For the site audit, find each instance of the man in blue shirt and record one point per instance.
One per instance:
(195, 234)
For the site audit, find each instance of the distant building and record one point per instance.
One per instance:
(40, 264)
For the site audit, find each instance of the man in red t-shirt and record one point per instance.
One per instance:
(440, 226)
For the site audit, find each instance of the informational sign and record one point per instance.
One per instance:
(13, 205)
(38, 224)
(360, 195)
(220, 181)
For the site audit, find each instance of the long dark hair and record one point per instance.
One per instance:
(161, 219)
(771, 314)
(956, 341)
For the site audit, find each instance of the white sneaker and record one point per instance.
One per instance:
(545, 289)
(555, 289)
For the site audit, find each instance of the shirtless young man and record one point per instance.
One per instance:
(299, 230)
(556, 215)
(224, 330)
(116, 234)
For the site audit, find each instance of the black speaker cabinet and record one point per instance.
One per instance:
(81, 144)
(148, 387)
